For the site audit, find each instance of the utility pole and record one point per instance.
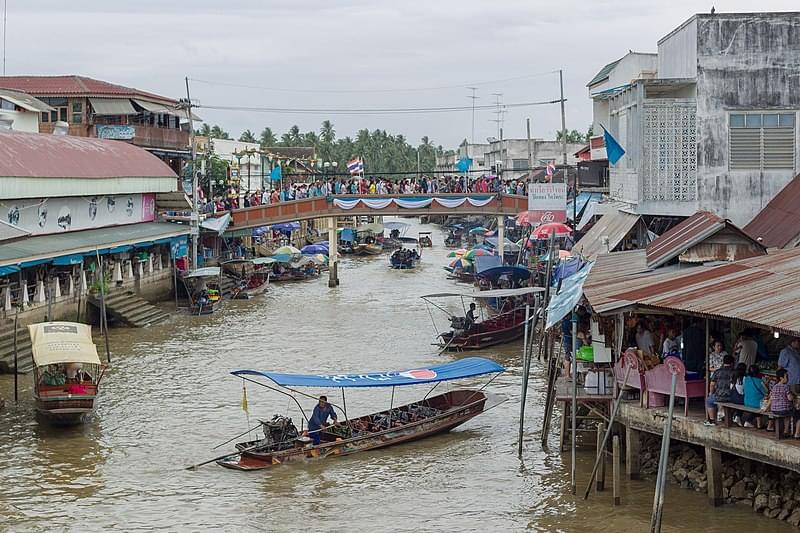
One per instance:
(530, 150)
(194, 219)
(473, 98)
(5, 18)
(563, 122)
(499, 112)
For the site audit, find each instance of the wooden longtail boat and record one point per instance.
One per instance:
(204, 288)
(67, 371)
(414, 421)
(368, 249)
(496, 329)
(425, 239)
(251, 276)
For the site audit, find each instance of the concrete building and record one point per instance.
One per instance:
(246, 162)
(715, 127)
(20, 111)
(95, 108)
(67, 200)
(514, 159)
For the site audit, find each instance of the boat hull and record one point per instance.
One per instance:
(489, 333)
(461, 406)
(67, 411)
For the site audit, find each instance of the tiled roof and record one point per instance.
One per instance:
(73, 85)
(34, 155)
(604, 73)
(778, 224)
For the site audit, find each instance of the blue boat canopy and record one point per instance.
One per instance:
(464, 368)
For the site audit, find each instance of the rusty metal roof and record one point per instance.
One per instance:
(34, 155)
(615, 225)
(691, 233)
(73, 85)
(761, 291)
(778, 224)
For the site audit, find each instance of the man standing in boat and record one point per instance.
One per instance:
(319, 419)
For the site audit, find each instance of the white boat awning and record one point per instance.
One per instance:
(62, 342)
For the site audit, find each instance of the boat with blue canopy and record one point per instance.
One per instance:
(432, 415)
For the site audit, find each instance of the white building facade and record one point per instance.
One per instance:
(715, 127)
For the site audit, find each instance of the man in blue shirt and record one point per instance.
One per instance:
(319, 419)
(790, 360)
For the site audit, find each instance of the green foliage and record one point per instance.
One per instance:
(247, 136)
(95, 287)
(574, 136)
(383, 153)
(212, 132)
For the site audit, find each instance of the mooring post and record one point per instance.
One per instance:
(501, 236)
(333, 255)
(661, 476)
(714, 475)
(615, 470)
(632, 449)
(601, 469)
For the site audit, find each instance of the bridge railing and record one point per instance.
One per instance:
(323, 206)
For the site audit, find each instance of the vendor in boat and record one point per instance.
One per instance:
(471, 318)
(319, 419)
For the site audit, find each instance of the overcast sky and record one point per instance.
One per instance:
(329, 54)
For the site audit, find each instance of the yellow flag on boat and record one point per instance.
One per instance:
(244, 398)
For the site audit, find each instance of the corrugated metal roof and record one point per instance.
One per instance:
(778, 224)
(682, 237)
(74, 85)
(34, 155)
(9, 232)
(762, 291)
(24, 100)
(615, 225)
(77, 242)
(691, 233)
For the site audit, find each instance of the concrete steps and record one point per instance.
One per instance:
(24, 352)
(128, 308)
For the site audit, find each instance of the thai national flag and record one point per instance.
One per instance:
(356, 166)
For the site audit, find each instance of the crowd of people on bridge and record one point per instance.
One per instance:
(234, 199)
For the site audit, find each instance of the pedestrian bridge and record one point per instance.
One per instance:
(379, 205)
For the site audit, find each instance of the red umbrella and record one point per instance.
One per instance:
(545, 230)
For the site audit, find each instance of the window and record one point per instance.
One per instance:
(761, 141)
(77, 113)
(519, 164)
(5, 104)
(45, 116)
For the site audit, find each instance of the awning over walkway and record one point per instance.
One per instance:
(112, 106)
(46, 248)
(217, 224)
(614, 227)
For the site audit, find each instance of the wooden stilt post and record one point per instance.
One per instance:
(633, 445)
(601, 471)
(615, 469)
(714, 475)
(661, 477)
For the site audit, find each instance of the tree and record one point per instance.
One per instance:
(218, 133)
(205, 130)
(326, 132)
(573, 136)
(268, 138)
(247, 137)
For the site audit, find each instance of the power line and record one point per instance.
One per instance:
(393, 90)
(369, 111)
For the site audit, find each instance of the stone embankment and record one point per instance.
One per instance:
(771, 491)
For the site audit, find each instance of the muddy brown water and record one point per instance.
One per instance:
(169, 399)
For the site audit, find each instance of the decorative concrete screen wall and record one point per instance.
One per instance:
(669, 163)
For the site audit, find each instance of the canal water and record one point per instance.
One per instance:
(168, 399)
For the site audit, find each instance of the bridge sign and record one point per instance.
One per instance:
(547, 202)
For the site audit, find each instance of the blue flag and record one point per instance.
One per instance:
(463, 164)
(613, 149)
(276, 173)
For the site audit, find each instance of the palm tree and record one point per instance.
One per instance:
(294, 135)
(205, 130)
(218, 133)
(326, 132)
(268, 138)
(247, 137)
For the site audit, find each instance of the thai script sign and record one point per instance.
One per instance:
(119, 133)
(547, 202)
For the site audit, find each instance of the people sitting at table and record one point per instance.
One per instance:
(645, 340)
(754, 393)
(737, 392)
(715, 357)
(672, 344)
(720, 389)
(781, 401)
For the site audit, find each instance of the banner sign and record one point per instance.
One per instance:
(42, 216)
(547, 202)
(119, 133)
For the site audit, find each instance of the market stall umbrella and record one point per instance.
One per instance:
(476, 252)
(457, 253)
(478, 231)
(287, 250)
(461, 263)
(546, 230)
(312, 249)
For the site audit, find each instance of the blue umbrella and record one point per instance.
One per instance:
(313, 249)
